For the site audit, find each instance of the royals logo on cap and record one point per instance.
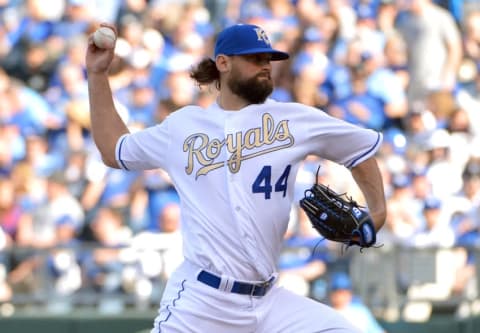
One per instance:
(242, 39)
(262, 36)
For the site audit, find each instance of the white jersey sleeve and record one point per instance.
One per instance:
(332, 138)
(145, 149)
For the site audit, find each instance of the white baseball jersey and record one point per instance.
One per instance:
(235, 173)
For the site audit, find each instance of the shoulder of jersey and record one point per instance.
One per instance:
(292, 106)
(185, 110)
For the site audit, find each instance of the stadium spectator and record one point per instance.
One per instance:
(463, 138)
(443, 174)
(178, 87)
(466, 217)
(70, 107)
(35, 68)
(310, 70)
(106, 187)
(141, 103)
(366, 28)
(29, 22)
(103, 265)
(387, 12)
(5, 289)
(136, 9)
(75, 20)
(343, 299)
(14, 144)
(11, 215)
(378, 77)
(403, 213)
(466, 224)
(63, 267)
(40, 156)
(30, 188)
(434, 48)
(160, 193)
(359, 106)
(471, 37)
(309, 86)
(11, 212)
(345, 14)
(160, 247)
(421, 186)
(60, 207)
(434, 231)
(51, 224)
(395, 53)
(310, 12)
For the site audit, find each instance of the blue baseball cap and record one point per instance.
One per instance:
(432, 203)
(340, 281)
(243, 39)
(401, 180)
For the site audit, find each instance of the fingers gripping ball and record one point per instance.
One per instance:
(104, 38)
(337, 217)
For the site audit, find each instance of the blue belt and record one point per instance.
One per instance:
(238, 287)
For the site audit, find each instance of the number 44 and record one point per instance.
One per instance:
(263, 182)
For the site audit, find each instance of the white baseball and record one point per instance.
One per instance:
(104, 38)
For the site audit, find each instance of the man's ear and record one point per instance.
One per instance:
(223, 63)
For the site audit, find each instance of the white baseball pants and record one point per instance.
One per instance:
(190, 306)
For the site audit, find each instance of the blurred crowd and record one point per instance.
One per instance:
(407, 68)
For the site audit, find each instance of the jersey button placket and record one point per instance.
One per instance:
(232, 180)
(230, 177)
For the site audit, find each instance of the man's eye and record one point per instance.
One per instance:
(259, 58)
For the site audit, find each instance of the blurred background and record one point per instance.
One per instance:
(87, 248)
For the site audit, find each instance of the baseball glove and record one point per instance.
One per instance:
(337, 217)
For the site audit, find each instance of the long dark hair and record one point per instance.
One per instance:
(205, 73)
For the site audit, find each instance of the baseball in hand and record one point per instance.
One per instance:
(104, 38)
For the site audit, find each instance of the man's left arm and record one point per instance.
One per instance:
(368, 177)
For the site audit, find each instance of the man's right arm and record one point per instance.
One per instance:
(106, 125)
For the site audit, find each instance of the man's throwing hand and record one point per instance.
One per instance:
(98, 59)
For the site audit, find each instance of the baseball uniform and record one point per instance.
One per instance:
(235, 173)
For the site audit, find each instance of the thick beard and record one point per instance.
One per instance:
(252, 90)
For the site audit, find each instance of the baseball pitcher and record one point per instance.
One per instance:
(234, 166)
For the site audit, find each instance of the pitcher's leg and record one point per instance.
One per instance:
(190, 306)
(286, 312)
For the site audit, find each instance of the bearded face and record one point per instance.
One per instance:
(254, 90)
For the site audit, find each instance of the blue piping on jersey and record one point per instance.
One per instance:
(366, 153)
(120, 152)
(173, 304)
